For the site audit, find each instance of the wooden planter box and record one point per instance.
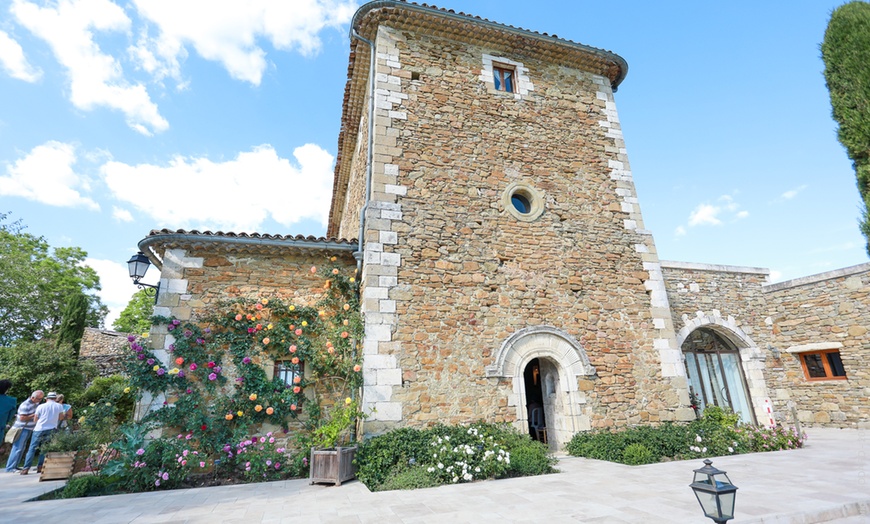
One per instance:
(58, 466)
(332, 466)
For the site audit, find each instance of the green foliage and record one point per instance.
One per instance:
(63, 441)
(136, 316)
(715, 434)
(448, 454)
(105, 406)
(414, 477)
(846, 53)
(87, 486)
(73, 323)
(36, 282)
(637, 454)
(32, 365)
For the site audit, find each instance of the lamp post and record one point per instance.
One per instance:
(137, 266)
(715, 492)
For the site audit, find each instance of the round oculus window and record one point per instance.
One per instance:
(522, 201)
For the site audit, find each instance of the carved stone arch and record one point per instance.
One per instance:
(751, 356)
(563, 360)
(726, 327)
(535, 341)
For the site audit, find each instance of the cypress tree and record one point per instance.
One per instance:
(846, 54)
(72, 327)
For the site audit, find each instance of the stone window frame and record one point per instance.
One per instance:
(823, 357)
(526, 190)
(522, 83)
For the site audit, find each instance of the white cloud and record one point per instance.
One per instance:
(791, 193)
(227, 31)
(712, 215)
(96, 79)
(705, 215)
(46, 175)
(12, 60)
(236, 195)
(680, 231)
(775, 276)
(117, 288)
(121, 215)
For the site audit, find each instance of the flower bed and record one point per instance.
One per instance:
(715, 434)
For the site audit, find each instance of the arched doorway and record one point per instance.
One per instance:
(559, 360)
(715, 373)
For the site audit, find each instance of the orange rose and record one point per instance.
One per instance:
(357, 368)
(344, 334)
(330, 350)
(292, 349)
(292, 407)
(269, 411)
(297, 389)
(253, 397)
(298, 332)
(294, 360)
(179, 361)
(346, 307)
(259, 327)
(258, 408)
(266, 341)
(335, 271)
(314, 269)
(239, 316)
(297, 379)
(229, 416)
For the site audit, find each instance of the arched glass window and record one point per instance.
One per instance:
(715, 374)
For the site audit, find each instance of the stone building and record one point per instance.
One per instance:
(506, 271)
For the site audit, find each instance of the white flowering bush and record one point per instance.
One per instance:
(467, 456)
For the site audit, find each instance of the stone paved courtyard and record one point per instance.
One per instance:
(827, 481)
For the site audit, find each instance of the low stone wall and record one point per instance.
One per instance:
(106, 349)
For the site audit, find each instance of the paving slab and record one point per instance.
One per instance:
(826, 481)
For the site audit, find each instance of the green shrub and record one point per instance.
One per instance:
(87, 486)
(67, 441)
(637, 454)
(463, 452)
(412, 477)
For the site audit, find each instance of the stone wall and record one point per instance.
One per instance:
(728, 300)
(772, 324)
(827, 311)
(106, 349)
(450, 274)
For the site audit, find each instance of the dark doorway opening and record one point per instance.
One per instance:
(535, 401)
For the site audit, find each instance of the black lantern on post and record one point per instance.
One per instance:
(715, 492)
(137, 266)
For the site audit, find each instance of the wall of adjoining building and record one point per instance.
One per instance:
(107, 349)
(829, 310)
(772, 324)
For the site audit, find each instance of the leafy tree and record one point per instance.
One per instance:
(136, 317)
(846, 53)
(35, 283)
(32, 365)
(72, 327)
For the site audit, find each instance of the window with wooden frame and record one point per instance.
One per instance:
(504, 77)
(823, 365)
(289, 372)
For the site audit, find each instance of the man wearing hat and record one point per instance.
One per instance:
(47, 416)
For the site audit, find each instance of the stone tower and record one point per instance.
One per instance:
(507, 274)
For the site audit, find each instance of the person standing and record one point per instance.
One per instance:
(7, 408)
(26, 421)
(66, 415)
(47, 417)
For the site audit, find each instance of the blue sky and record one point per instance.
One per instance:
(117, 118)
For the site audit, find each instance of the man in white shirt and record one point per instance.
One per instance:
(47, 416)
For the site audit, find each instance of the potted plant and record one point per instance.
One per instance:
(60, 454)
(331, 462)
